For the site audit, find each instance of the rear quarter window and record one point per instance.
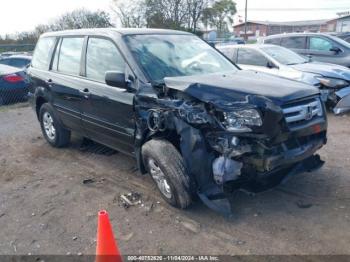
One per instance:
(42, 53)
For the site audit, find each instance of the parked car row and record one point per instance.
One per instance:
(317, 46)
(332, 80)
(193, 120)
(13, 78)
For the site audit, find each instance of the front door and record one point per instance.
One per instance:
(320, 50)
(108, 115)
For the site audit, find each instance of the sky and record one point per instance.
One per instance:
(27, 14)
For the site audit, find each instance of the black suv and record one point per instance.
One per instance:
(193, 120)
(320, 47)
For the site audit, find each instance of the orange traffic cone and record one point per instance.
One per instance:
(106, 249)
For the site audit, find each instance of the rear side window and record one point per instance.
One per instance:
(320, 44)
(273, 41)
(70, 55)
(102, 56)
(42, 53)
(251, 57)
(295, 42)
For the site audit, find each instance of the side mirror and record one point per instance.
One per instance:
(270, 65)
(116, 79)
(335, 49)
(309, 58)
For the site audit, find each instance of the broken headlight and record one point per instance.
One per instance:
(333, 82)
(241, 120)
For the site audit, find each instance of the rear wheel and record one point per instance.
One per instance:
(165, 164)
(52, 129)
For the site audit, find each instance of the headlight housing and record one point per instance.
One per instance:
(241, 120)
(333, 82)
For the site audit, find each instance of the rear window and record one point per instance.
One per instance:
(41, 58)
(295, 42)
(5, 62)
(70, 55)
(273, 41)
(19, 63)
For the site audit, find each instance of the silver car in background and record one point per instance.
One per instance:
(332, 80)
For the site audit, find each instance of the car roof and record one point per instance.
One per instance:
(296, 34)
(123, 31)
(252, 46)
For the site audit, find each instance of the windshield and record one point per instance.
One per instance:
(283, 55)
(176, 55)
(341, 41)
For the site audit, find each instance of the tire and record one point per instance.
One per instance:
(55, 134)
(176, 189)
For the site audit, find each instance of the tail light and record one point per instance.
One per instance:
(13, 78)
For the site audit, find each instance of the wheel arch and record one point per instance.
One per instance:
(40, 100)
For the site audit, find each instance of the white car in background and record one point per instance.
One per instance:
(332, 80)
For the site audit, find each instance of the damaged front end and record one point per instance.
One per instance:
(232, 141)
(342, 101)
(336, 93)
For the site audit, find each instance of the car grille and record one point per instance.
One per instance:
(301, 112)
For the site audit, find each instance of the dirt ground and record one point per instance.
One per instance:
(45, 208)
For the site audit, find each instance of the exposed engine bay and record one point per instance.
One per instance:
(249, 143)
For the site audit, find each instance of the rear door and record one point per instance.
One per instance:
(108, 115)
(295, 43)
(64, 80)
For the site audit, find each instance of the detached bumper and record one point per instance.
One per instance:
(287, 157)
(343, 104)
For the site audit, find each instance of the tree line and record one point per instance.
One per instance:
(188, 15)
(76, 19)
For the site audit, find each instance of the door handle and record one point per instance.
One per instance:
(86, 93)
(49, 81)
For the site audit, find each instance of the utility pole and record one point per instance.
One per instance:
(245, 22)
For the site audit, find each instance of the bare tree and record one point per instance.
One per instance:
(81, 18)
(131, 13)
(166, 13)
(195, 9)
(220, 14)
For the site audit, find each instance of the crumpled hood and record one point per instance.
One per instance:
(240, 84)
(325, 69)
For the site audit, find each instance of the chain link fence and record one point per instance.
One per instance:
(14, 82)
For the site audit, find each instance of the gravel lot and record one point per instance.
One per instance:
(45, 208)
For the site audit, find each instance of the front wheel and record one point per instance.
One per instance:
(52, 129)
(165, 164)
